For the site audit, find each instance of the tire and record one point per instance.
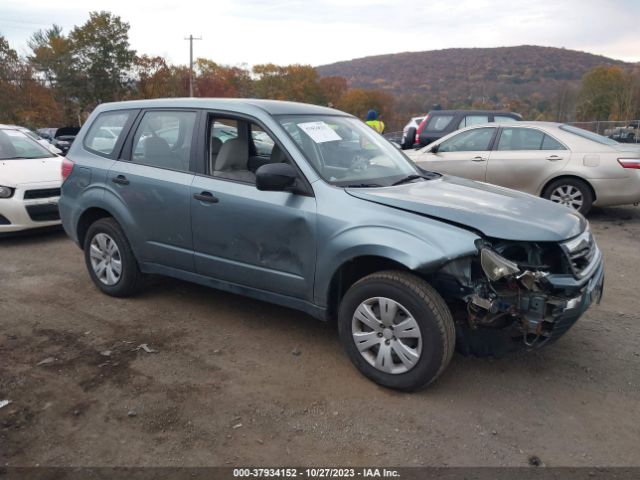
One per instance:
(431, 353)
(102, 235)
(409, 139)
(560, 191)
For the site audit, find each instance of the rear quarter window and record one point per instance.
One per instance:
(438, 123)
(107, 132)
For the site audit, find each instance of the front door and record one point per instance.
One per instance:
(463, 155)
(258, 239)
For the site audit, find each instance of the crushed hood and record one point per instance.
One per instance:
(494, 211)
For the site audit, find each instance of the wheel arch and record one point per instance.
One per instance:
(352, 270)
(570, 177)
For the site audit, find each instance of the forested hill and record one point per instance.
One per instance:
(461, 75)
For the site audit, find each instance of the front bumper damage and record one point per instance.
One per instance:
(525, 309)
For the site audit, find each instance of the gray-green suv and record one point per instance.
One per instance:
(307, 207)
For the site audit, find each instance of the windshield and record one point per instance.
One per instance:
(588, 135)
(346, 152)
(16, 145)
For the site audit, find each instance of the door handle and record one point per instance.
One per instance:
(478, 159)
(206, 197)
(120, 180)
(553, 158)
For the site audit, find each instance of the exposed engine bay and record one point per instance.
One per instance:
(515, 295)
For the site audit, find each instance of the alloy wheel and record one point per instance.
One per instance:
(386, 334)
(567, 195)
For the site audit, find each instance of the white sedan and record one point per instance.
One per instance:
(30, 180)
(559, 162)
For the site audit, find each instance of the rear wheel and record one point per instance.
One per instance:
(110, 260)
(570, 192)
(397, 330)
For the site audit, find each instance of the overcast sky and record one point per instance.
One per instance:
(323, 31)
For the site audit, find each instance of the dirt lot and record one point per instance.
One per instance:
(225, 387)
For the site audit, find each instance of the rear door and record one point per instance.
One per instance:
(523, 158)
(152, 180)
(464, 154)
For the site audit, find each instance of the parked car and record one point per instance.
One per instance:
(439, 123)
(407, 140)
(333, 221)
(29, 182)
(628, 134)
(562, 163)
(61, 138)
(34, 136)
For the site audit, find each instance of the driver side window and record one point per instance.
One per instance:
(238, 147)
(476, 140)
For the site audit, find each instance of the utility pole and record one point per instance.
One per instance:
(191, 38)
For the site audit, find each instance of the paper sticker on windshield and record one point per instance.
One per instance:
(319, 132)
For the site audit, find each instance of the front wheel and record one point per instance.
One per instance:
(570, 192)
(396, 329)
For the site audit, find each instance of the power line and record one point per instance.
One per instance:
(191, 38)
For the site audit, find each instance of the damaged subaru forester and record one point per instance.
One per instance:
(307, 207)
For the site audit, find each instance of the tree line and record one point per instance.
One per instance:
(65, 75)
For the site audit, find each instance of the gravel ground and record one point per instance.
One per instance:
(240, 382)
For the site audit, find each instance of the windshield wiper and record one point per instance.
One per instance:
(406, 179)
(363, 185)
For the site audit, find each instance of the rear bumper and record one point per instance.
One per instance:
(18, 214)
(620, 191)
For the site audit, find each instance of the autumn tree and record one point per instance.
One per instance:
(52, 58)
(600, 93)
(298, 83)
(103, 58)
(359, 101)
(214, 80)
(333, 88)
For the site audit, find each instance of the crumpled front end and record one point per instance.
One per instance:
(514, 295)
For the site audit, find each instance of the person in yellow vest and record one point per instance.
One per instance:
(373, 122)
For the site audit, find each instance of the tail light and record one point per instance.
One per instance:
(67, 168)
(420, 127)
(630, 163)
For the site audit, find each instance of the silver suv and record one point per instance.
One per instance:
(307, 207)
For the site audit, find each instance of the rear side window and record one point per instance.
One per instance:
(469, 120)
(520, 139)
(437, 123)
(163, 139)
(106, 132)
(503, 119)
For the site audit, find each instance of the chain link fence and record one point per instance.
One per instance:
(626, 131)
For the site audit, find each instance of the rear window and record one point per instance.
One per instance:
(106, 131)
(594, 137)
(469, 120)
(437, 123)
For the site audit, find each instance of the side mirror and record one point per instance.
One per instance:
(433, 149)
(275, 177)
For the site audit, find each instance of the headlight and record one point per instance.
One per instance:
(6, 192)
(495, 266)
